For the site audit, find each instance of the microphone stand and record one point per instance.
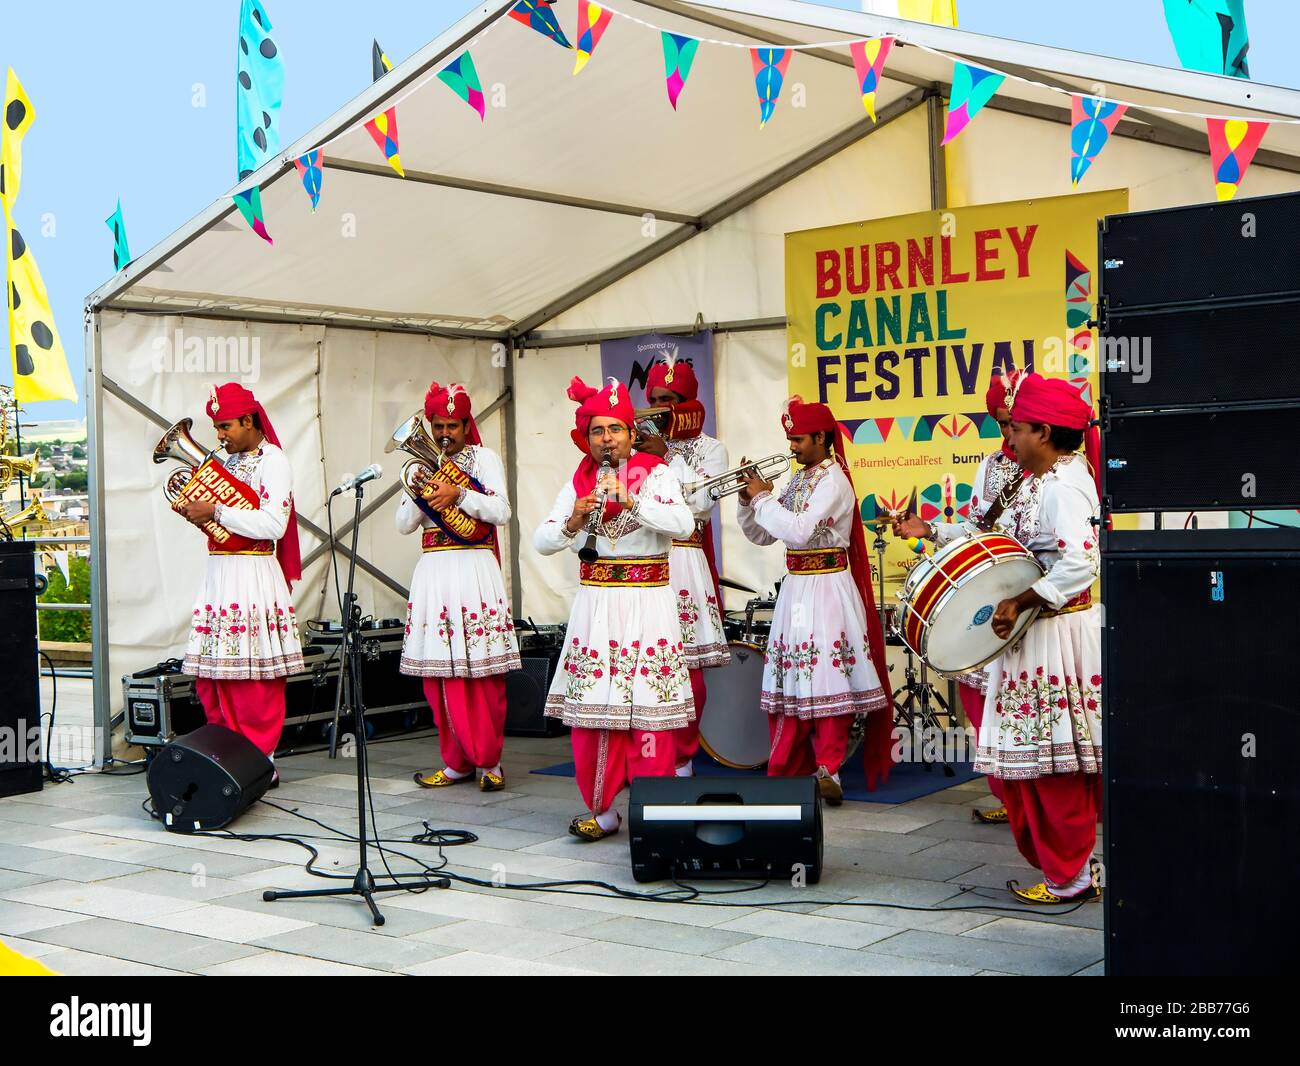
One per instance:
(363, 884)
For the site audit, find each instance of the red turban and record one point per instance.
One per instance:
(452, 402)
(877, 748)
(674, 376)
(1055, 402)
(997, 397)
(612, 401)
(228, 403)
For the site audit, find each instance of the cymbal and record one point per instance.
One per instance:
(727, 583)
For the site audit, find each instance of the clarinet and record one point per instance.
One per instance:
(588, 553)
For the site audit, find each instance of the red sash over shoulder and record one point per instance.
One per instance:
(214, 482)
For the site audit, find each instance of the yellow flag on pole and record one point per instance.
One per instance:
(39, 363)
(18, 115)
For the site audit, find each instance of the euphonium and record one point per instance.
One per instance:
(11, 465)
(414, 438)
(178, 444)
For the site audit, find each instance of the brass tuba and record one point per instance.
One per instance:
(414, 438)
(31, 515)
(178, 444)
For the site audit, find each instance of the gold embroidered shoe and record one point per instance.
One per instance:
(992, 816)
(1042, 896)
(491, 782)
(588, 829)
(831, 790)
(438, 778)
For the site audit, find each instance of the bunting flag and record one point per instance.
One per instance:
(462, 78)
(383, 128)
(249, 203)
(679, 54)
(869, 62)
(1210, 35)
(311, 169)
(380, 64)
(1078, 311)
(18, 116)
(770, 65)
(537, 15)
(972, 88)
(121, 252)
(257, 104)
(1233, 143)
(1093, 121)
(592, 20)
(39, 364)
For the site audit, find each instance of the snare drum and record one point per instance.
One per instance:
(733, 729)
(948, 600)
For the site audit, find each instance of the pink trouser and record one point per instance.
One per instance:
(801, 745)
(607, 760)
(1054, 820)
(470, 713)
(972, 701)
(687, 738)
(254, 709)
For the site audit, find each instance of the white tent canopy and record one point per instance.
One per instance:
(582, 207)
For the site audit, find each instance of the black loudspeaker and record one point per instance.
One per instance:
(1227, 459)
(1242, 353)
(207, 779)
(691, 828)
(526, 690)
(20, 706)
(1203, 252)
(1202, 726)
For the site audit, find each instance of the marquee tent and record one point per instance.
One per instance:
(580, 208)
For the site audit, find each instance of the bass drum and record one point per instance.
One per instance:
(733, 729)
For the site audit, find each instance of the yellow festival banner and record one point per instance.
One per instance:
(900, 324)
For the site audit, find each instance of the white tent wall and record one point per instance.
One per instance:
(334, 396)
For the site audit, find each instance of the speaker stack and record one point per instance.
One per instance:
(20, 705)
(1200, 402)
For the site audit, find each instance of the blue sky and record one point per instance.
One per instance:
(113, 87)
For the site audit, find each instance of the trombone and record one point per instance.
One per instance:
(769, 468)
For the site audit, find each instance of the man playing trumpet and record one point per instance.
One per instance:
(622, 686)
(244, 639)
(460, 635)
(693, 573)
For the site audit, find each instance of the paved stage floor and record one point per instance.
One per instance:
(89, 884)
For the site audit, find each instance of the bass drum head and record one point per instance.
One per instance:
(961, 633)
(733, 729)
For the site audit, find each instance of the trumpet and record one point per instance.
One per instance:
(769, 468)
(178, 444)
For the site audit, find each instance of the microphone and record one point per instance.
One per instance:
(371, 473)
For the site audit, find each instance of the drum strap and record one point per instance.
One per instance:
(1009, 492)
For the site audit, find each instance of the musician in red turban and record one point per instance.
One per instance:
(826, 650)
(460, 634)
(1041, 728)
(622, 686)
(998, 476)
(693, 456)
(244, 640)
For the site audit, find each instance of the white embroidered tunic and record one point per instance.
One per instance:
(458, 620)
(698, 608)
(818, 662)
(243, 625)
(624, 665)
